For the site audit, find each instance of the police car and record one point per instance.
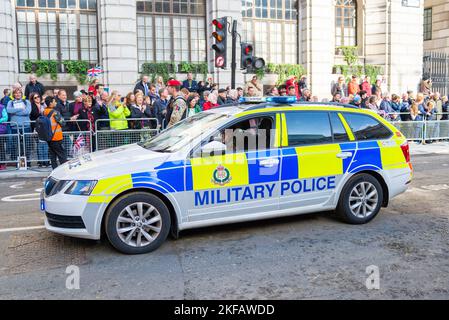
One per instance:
(243, 162)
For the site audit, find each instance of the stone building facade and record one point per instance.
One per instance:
(120, 35)
(436, 25)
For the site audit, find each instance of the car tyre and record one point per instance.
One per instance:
(137, 223)
(360, 200)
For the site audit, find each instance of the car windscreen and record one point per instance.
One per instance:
(184, 132)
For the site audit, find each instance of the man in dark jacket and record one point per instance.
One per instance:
(103, 112)
(160, 107)
(363, 94)
(63, 108)
(6, 93)
(445, 101)
(222, 97)
(142, 85)
(190, 84)
(34, 86)
(152, 93)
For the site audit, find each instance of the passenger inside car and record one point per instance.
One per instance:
(248, 135)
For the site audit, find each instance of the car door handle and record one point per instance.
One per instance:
(269, 163)
(344, 155)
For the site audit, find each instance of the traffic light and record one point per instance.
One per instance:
(220, 35)
(248, 61)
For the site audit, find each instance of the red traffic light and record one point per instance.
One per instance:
(248, 49)
(217, 23)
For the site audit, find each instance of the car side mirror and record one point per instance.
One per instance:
(215, 147)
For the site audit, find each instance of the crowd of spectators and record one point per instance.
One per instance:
(172, 101)
(408, 106)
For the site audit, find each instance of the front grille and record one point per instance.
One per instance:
(67, 222)
(49, 186)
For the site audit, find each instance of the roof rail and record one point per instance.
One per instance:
(264, 102)
(301, 103)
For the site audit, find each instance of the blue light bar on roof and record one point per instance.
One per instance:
(283, 99)
(252, 99)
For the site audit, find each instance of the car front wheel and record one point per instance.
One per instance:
(137, 223)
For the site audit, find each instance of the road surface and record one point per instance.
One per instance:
(310, 256)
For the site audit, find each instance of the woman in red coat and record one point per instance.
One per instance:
(210, 100)
(93, 87)
(292, 81)
(366, 86)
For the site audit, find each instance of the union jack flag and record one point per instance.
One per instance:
(95, 71)
(78, 145)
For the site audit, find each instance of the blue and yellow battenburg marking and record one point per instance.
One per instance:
(261, 191)
(241, 177)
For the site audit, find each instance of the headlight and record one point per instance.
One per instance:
(81, 187)
(53, 186)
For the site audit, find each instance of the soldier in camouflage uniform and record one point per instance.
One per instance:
(177, 106)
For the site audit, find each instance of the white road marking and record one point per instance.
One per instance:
(39, 190)
(21, 229)
(432, 187)
(22, 197)
(436, 187)
(17, 185)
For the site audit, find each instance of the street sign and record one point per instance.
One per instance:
(219, 62)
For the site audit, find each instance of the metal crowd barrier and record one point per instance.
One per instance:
(10, 149)
(427, 128)
(76, 141)
(137, 130)
(412, 130)
(20, 145)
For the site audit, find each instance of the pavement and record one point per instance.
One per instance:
(430, 148)
(311, 256)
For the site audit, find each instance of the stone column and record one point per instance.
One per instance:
(217, 9)
(405, 47)
(8, 52)
(376, 32)
(394, 40)
(118, 43)
(317, 44)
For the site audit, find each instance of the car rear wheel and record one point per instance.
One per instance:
(137, 223)
(360, 200)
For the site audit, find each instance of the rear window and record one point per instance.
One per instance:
(365, 127)
(307, 128)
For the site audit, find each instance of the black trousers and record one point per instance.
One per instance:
(56, 149)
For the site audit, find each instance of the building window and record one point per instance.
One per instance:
(171, 31)
(428, 24)
(57, 30)
(273, 22)
(345, 23)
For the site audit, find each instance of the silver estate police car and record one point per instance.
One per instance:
(231, 164)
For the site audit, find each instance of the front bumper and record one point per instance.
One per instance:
(73, 216)
(76, 233)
